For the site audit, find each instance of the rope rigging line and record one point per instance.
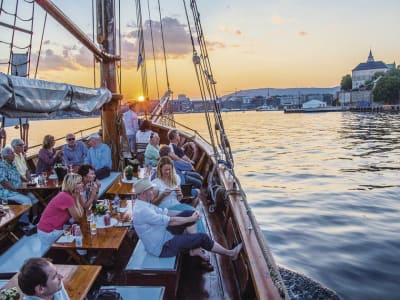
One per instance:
(41, 44)
(152, 46)
(119, 62)
(207, 85)
(196, 62)
(142, 54)
(210, 83)
(12, 64)
(163, 45)
(94, 57)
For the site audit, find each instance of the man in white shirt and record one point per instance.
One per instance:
(18, 145)
(39, 279)
(131, 125)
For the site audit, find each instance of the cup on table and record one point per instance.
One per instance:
(44, 174)
(93, 227)
(67, 229)
(89, 216)
(4, 203)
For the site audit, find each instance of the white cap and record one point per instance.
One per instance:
(94, 136)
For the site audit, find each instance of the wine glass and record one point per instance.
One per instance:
(44, 174)
(67, 229)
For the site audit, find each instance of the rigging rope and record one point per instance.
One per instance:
(119, 62)
(41, 44)
(142, 55)
(154, 55)
(163, 45)
(94, 57)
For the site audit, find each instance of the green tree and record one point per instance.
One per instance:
(387, 90)
(346, 83)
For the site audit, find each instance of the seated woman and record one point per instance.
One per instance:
(48, 156)
(152, 155)
(184, 169)
(165, 233)
(167, 186)
(91, 186)
(64, 206)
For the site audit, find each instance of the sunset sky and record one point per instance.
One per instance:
(251, 44)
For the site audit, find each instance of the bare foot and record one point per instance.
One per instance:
(201, 253)
(237, 250)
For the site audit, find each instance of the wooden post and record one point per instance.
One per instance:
(106, 37)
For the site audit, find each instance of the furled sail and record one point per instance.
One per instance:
(24, 97)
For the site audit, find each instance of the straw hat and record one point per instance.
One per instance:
(142, 186)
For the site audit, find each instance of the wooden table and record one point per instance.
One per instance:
(51, 185)
(121, 188)
(77, 280)
(104, 242)
(10, 219)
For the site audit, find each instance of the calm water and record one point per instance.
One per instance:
(325, 189)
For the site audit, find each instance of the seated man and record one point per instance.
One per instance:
(10, 180)
(19, 159)
(74, 151)
(151, 155)
(166, 233)
(177, 151)
(39, 279)
(99, 156)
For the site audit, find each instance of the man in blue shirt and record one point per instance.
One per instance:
(10, 181)
(99, 156)
(74, 151)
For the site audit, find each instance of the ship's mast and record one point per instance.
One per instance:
(106, 34)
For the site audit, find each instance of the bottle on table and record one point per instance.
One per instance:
(116, 203)
(78, 236)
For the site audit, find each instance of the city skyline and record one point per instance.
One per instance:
(257, 44)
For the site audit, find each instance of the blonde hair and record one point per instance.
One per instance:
(165, 160)
(70, 182)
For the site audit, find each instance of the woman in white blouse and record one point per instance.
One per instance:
(167, 185)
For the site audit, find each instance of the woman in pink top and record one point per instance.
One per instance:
(61, 208)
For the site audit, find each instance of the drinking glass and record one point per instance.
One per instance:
(93, 227)
(4, 203)
(44, 174)
(89, 216)
(67, 229)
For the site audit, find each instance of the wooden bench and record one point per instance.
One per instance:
(149, 270)
(137, 292)
(13, 259)
(107, 182)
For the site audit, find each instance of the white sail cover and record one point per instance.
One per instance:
(24, 97)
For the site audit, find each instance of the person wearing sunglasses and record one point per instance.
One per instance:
(20, 162)
(74, 151)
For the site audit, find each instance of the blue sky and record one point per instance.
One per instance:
(252, 44)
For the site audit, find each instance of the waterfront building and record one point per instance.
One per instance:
(366, 70)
